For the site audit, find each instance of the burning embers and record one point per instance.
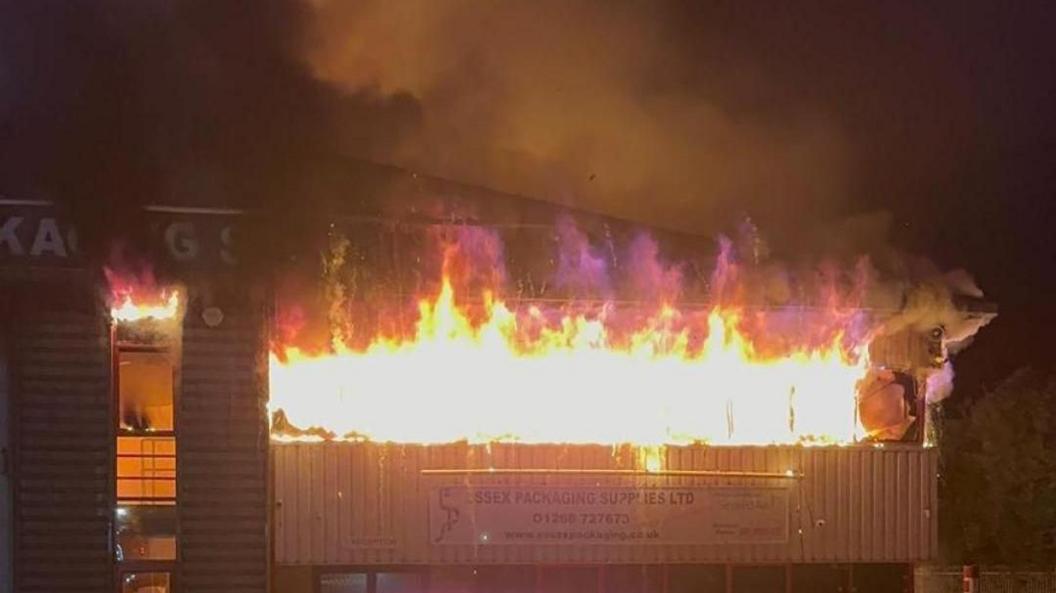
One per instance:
(470, 365)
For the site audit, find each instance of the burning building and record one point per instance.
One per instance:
(477, 393)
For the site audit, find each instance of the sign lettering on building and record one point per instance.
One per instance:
(39, 234)
(198, 239)
(506, 514)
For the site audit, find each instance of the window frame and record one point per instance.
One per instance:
(156, 345)
(371, 572)
(133, 567)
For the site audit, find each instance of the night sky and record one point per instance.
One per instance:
(938, 117)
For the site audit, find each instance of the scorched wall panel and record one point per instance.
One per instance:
(365, 503)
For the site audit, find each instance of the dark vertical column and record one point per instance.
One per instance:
(222, 444)
(6, 525)
(63, 440)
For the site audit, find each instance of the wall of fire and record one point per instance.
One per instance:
(138, 449)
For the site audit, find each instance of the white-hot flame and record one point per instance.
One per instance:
(137, 297)
(127, 309)
(456, 379)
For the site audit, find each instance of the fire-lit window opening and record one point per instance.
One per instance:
(146, 582)
(145, 522)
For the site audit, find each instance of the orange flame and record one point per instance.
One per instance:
(515, 374)
(135, 299)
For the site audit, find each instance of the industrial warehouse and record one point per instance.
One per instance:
(377, 414)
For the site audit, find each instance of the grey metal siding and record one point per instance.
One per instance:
(222, 453)
(63, 459)
(853, 504)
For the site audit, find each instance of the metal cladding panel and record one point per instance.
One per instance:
(365, 503)
(63, 464)
(222, 451)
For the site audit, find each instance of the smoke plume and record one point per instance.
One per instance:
(584, 103)
(109, 106)
(662, 112)
(668, 112)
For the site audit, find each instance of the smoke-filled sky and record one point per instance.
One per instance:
(835, 125)
(610, 106)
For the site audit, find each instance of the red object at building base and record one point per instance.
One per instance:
(971, 578)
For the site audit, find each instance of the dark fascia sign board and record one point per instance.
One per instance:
(40, 234)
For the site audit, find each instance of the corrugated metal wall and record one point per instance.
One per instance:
(63, 440)
(222, 457)
(853, 504)
(950, 579)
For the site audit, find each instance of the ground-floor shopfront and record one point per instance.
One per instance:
(614, 578)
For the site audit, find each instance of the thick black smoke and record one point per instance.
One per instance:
(679, 113)
(673, 112)
(106, 106)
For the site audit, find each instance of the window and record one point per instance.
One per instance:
(506, 579)
(372, 582)
(146, 470)
(452, 579)
(697, 578)
(146, 582)
(569, 579)
(400, 582)
(343, 583)
(145, 515)
(632, 578)
(145, 532)
(145, 388)
(758, 579)
(875, 578)
(819, 578)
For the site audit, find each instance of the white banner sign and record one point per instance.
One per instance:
(527, 515)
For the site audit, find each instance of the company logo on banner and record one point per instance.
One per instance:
(505, 514)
